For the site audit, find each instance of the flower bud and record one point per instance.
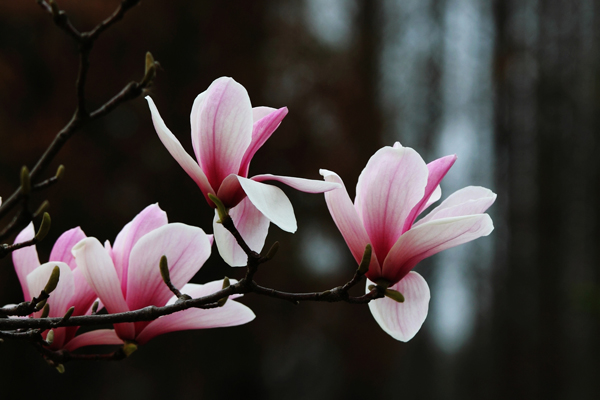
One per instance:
(394, 295)
(53, 280)
(129, 348)
(50, 337)
(363, 268)
(60, 172)
(25, 181)
(44, 227)
(164, 269)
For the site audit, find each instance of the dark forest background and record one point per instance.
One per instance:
(511, 86)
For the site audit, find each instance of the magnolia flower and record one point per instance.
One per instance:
(226, 133)
(72, 289)
(392, 190)
(127, 277)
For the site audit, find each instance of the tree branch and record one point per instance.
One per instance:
(81, 116)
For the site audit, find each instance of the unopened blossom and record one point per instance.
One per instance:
(393, 189)
(226, 133)
(72, 289)
(127, 277)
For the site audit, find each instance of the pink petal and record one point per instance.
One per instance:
(149, 219)
(261, 131)
(402, 321)
(252, 225)
(99, 271)
(186, 248)
(437, 170)
(391, 184)
(60, 298)
(174, 147)
(466, 201)
(435, 196)
(301, 184)
(260, 112)
(25, 260)
(84, 295)
(223, 128)
(346, 219)
(430, 238)
(61, 251)
(230, 192)
(195, 123)
(93, 338)
(231, 314)
(272, 202)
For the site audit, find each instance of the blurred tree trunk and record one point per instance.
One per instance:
(545, 118)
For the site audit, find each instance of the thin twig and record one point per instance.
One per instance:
(85, 41)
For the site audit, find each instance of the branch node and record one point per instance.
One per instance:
(221, 209)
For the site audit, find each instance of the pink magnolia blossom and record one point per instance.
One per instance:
(226, 133)
(393, 189)
(72, 289)
(127, 277)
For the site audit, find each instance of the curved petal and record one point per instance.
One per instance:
(224, 129)
(348, 222)
(430, 238)
(403, 320)
(93, 338)
(301, 184)
(391, 184)
(195, 123)
(84, 295)
(437, 170)
(61, 251)
(60, 298)
(466, 201)
(174, 147)
(231, 314)
(99, 271)
(261, 131)
(25, 259)
(435, 196)
(186, 247)
(230, 192)
(149, 219)
(260, 112)
(272, 202)
(252, 225)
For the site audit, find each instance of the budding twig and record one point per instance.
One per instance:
(85, 42)
(166, 276)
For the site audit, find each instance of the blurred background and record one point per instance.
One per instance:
(510, 86)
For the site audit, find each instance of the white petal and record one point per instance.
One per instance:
(253, 227)
(272, 202)
(402, 321)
